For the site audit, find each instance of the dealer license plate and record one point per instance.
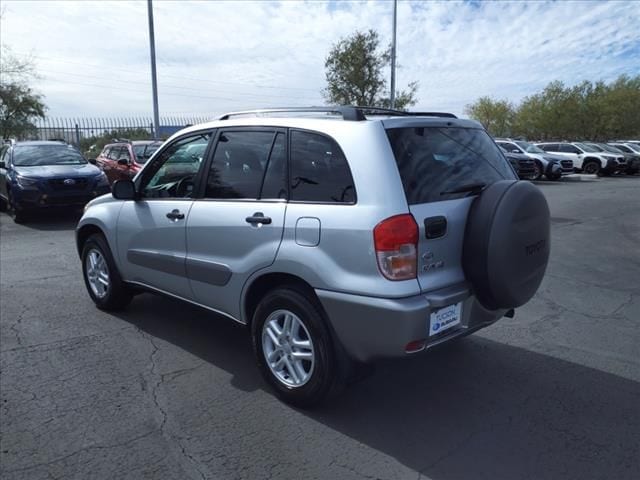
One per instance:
(445, 318)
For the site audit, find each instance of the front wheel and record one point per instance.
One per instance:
(101, 276)
(591, 168)
(18, 214)
(537, 171)
(294, 349)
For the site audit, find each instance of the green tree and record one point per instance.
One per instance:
(354, 71)
(19, 104)
(587, 111)
(495, 115)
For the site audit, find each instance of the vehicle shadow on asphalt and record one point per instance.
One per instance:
(50, 221)
(475, 409)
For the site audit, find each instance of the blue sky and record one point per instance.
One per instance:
(220, 56)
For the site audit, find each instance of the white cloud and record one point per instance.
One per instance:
(225, 55)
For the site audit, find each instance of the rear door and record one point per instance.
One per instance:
(433, 163)
(235, 228)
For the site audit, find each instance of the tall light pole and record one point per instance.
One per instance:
(154, 81)
(393, 55)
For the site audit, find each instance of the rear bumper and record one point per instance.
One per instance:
(370, 328)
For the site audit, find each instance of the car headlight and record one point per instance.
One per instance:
(102, 180)
(25, 181)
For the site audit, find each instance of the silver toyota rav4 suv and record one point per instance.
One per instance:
(337, 236)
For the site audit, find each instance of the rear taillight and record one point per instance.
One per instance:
(396, 244)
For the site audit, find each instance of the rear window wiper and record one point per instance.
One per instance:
(472, 188)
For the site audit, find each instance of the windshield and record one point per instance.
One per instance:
(529, 148)
(443, 161)
(611, 149)
(144, 152)
(35, 155)
(587, 148)
(597, 148)
(634, 147)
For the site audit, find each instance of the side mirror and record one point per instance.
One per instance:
(124, 190)
(92, 161)
(123, 161)
(2, 164)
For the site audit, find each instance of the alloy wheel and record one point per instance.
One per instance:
(97, 273)
(288, 348)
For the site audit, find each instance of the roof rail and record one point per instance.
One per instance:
(120, 140)
(60, 140)
(347, 112)
(351, 113)
(402, 113)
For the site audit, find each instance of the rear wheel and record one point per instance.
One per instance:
(591, 167)
(101, 276)
(294, 348)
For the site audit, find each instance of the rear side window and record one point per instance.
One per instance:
(319, 171)
(238, 165)
(432, 161)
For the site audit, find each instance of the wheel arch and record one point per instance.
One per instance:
(598, 160)
(256, 288)
(84, 232)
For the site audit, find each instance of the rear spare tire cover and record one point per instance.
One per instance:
(507, 243)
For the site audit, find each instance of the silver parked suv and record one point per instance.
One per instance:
(337, 235)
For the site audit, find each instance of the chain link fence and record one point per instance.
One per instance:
(81, 130)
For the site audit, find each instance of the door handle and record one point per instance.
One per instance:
(258, 218)
(175, 215)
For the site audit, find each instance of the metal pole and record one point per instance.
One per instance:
(393, 55)
(154, 82)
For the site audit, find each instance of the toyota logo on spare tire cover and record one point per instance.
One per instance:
(69, 181)
(507, 243)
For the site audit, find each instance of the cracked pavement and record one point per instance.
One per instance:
(166, 390)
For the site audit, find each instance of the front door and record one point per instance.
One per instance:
(236, 227)
(151, 231)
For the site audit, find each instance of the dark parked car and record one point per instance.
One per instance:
(123, 159)
(551, 166)
(631, 158)
(44, 174)
(524, 165)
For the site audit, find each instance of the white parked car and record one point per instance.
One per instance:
(585, 158)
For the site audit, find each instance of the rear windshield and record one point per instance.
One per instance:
(34, 155)
(432, 161)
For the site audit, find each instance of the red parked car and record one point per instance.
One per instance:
(123, 159)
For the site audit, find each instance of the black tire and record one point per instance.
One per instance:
(553, 176)
(537, 174)
(591, 167)
(117, 295)
(328, 373)
(19, 215)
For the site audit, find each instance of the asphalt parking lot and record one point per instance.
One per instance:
(165, 390)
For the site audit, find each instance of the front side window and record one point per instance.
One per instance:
(145, 151)
(239, 164)
(34, 155)
(435, 162)
(319, 170)
(173, 173)
(114, 153)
